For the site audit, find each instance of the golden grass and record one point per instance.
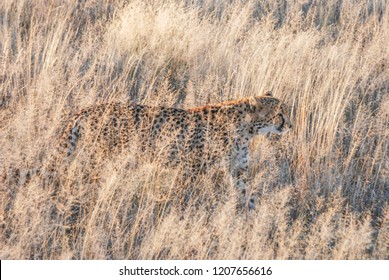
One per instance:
(323, 189)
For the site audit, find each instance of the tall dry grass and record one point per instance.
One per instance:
(322, 190)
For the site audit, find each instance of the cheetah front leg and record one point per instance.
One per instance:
(239, 172)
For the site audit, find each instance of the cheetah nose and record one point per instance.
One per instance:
(291, 126)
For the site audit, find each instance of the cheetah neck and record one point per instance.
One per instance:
(239, 105)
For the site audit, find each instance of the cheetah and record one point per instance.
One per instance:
(196, 138)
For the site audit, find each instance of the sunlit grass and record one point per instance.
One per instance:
(322, 189)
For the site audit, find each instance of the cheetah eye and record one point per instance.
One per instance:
(282, 119)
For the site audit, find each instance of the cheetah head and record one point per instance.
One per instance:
(269, 114)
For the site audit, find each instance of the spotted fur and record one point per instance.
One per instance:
(195, 138)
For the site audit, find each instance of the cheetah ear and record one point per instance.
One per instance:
(268, 93)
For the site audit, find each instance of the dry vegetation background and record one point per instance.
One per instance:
(323, 189)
